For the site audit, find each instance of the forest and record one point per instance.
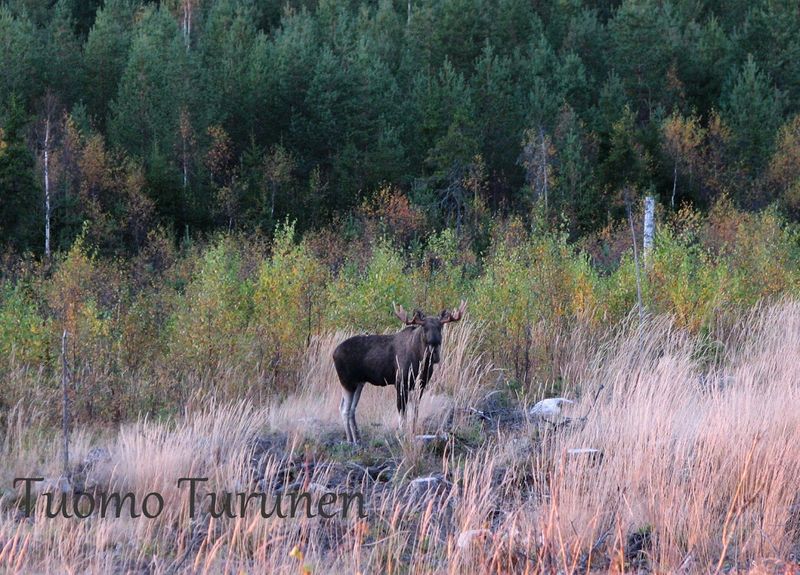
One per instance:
(129, 119)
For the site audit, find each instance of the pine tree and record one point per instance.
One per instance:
(643, 37)
(146, 112)
(752, 109)
(227, 51)
(106, 55)
(498, 109)
(64, 69)
(20, 64)
(20, 200)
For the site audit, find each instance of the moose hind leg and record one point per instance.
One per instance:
(344, 410)
(352, 427)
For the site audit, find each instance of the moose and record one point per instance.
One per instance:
(398, 359)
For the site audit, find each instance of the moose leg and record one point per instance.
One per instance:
(344, 410)
(402, 402)
(351, 426)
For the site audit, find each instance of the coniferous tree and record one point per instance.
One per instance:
(20, 201)
(106, 56)
(752, 109)
(64, 67)
(146, 111)
(20, 65)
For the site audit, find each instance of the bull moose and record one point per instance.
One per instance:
(398, 359)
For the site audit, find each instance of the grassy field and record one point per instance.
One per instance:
(696, 468)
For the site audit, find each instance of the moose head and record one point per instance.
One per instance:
(431, 327)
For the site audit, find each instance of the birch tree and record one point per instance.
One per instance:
(46, 133)
(538, 156)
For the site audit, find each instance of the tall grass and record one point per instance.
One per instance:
(698, 472)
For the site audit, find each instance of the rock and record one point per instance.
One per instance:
(550, 407)
(96, 455)
(54, 485)
(92, 472)
(316, 488)
(423, 485)
(472, 536)
(381, 472)
(433, 439)
(591, 454)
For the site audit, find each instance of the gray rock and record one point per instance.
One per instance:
(472, 537)
(589, 453)
(425, 485)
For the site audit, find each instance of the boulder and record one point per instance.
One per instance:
(472, 537)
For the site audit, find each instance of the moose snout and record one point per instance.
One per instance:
(434, 354)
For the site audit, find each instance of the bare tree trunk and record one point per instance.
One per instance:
(674, 185)
(187, 22)
(272, 202)
(185, 162)
(47, 186)
(649, 225)
(544, 167)
(65, 401)
(635, 261)
(408, 20)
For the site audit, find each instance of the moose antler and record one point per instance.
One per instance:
(402, 315)
(456, 314)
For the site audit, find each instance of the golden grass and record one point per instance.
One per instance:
(700, 468)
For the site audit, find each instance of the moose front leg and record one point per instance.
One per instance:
(402, 403)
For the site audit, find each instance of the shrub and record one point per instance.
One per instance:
(363, 300)
(288, 300)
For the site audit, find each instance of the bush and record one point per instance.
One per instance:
(363, 300)
(288, 301)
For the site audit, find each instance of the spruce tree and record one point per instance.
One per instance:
(20, 198)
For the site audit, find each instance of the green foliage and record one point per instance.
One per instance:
(19, 194)
(24, 332)
(440, 283)
(288, 300)
(685, 281)
(753, 111)
(538, 282)
(361, 96)
(363, 299)
(146, 111)
(106, 55)
(19, 44)
(209, 323)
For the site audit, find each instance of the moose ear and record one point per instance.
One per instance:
(418, 316)
(445, 315)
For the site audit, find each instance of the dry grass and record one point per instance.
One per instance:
(698, 474)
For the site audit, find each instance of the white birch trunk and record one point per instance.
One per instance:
(649, 225)
(47, 187)
(185, 162)
(674, 185)
(187, 22)
(544, 167)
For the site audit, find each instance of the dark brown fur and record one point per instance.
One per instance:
(399, 359)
